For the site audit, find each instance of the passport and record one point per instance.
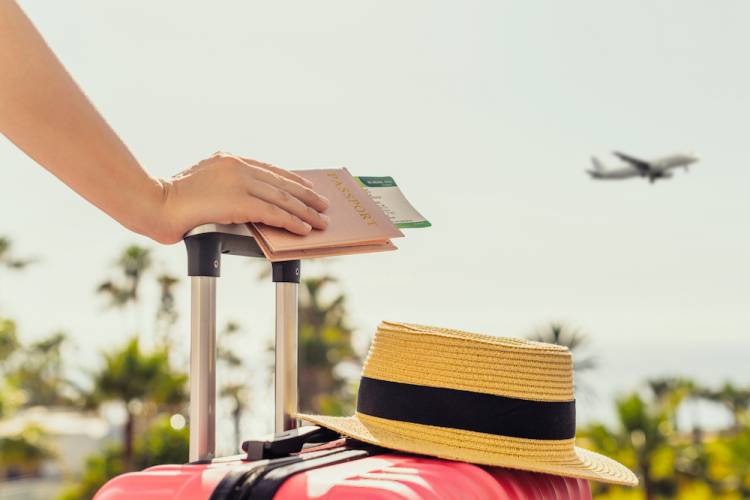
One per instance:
(357, 223)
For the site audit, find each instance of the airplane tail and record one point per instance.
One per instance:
(598, 166)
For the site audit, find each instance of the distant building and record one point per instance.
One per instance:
(72, 435)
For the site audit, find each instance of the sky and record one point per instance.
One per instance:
(485, 113)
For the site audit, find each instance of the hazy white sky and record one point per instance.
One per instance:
(486, 114)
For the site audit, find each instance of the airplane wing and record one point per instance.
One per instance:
(642, 165)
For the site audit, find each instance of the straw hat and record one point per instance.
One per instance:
(475, 398)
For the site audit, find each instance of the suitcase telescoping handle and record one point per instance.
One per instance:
(205, 246)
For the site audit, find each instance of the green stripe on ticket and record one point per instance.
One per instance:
(377, 181)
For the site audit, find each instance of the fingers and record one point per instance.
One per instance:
(278, 171)
(275, 196)
(257, 210)
(302, 193)
(283, 199)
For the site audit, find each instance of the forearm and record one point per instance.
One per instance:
(45, 113)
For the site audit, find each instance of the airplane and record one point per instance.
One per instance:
(659, 168)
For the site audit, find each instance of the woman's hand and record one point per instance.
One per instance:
(230, 189)
(45, 114)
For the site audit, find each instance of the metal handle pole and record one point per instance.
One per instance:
(286, 357)
(203, 368)
(286, 276)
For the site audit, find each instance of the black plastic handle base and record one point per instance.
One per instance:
(205, 250)
(286, 272)
(285, 443)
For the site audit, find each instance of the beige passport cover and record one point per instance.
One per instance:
(357, 224)
(316, 253)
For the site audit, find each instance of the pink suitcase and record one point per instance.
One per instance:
(299, 462)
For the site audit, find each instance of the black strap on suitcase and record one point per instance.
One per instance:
(261, 480)
(273, 460)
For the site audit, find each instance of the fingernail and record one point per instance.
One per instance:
(325, 200)
(307, 227)
(326, 219)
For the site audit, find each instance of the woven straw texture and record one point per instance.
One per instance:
(453, 359)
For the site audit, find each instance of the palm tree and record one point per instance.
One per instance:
(735, 399)
(24, 453)
(134, 377)
(646, 432)
(560, 334)
(325, 342)
(8, 339)
(40, 374)
(133, 263)
(670, 392)
(224, 352)
(644, 425)
(639, 435)
(10, 397)
(237, 393)
(129, 375)
(738, 458)
(7, 259)
(166, 314)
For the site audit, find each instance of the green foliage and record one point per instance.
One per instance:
(728, 463)
(166, 314)
(671, 464)
(40, 373)
(236, 392)
(639, 441)
(224, 351)
(132, 264)
(8, 340)
(23, 453)
(561, 334)
(641, 422)
(28, 376)
(123, 290)
(33, 374)
(10, 396)
(129, 374)
(144, 382)
(99, 469)
(7, 259)
(325, 341)
(735, 399)
(159, 444)
(133, 378)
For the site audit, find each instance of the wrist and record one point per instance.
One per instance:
(152, 217)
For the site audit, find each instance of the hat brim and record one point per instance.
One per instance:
(478, 448)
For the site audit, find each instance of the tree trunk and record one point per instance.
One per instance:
(648, 488)
(737, 421)
(236, 417)
(128, 441)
